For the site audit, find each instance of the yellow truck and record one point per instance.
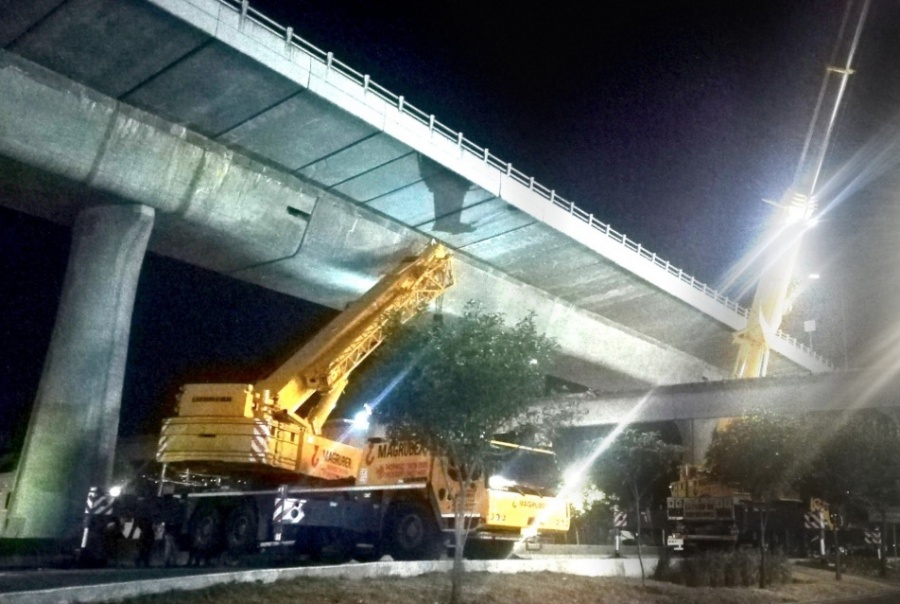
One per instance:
(250, 465)
(401, 505)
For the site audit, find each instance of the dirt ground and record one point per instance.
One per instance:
(537, 588)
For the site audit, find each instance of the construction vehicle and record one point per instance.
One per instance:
(715, 513)
(702, 514)
(245, 465)
(273, 429)
(796, 212)
(401, 505)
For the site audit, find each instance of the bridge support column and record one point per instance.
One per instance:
(696, 437)
(71, 436)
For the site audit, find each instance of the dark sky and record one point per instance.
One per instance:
(669, 122)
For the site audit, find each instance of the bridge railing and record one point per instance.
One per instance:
(436, 127)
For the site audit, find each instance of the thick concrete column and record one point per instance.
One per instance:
(72, 433)
(696, 437)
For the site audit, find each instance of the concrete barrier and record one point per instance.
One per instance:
(585, 566)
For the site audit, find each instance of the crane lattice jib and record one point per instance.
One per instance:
(325, 362)
(428, 283)
(771, 299)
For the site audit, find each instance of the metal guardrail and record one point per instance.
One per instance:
(435, 127)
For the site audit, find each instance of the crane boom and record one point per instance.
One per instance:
(261, 425)
(797, 208)
(326, 361)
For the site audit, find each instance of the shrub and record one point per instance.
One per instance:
(747, 566)
(724, 569)
(663, 569)
(716, 563)
(778, 569)
(739, 570)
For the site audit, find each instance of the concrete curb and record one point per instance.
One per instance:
(593, 567)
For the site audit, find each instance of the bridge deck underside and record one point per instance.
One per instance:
(135, 52)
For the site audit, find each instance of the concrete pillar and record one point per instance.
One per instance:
(696, 437)
(71, 436)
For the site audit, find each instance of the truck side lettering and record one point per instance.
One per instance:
(403, 448)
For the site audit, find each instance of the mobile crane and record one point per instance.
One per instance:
(704, 514)
(245, 465)
(262, 428)
(797, 209)
(699, 510)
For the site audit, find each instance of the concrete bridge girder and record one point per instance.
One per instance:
(696, 408)
(834, 392)
(227, 212)
(234, 79)
(630, 360)
(126, 154)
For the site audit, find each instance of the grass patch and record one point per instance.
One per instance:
(868, 566)
(480, 588)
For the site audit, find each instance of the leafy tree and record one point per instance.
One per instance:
(761, 455)
(589, 508)
(630, 467)
(859, 464)
(465, 381)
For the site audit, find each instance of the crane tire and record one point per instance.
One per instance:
(240, 530)
(412, 533)
(206, 532)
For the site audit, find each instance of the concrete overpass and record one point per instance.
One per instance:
(242, 129)
(696, 408)
(214, 136)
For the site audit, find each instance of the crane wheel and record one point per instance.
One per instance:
(240, 530)
(205, 533)
(412, 532)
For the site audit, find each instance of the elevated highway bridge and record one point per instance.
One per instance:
(267, 159)
(203, 131)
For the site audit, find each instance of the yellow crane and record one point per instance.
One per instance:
(797, 209)
(277, 422)
(701, 510)
(257, 464)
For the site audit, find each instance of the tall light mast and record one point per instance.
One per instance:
(797, 208)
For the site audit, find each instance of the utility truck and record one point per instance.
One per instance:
(243, 466)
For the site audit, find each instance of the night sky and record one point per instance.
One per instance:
(671, 123)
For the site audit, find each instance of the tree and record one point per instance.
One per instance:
(859, 464)
(762, 455)
(631, 466)
(589, 508)
(464, 381)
